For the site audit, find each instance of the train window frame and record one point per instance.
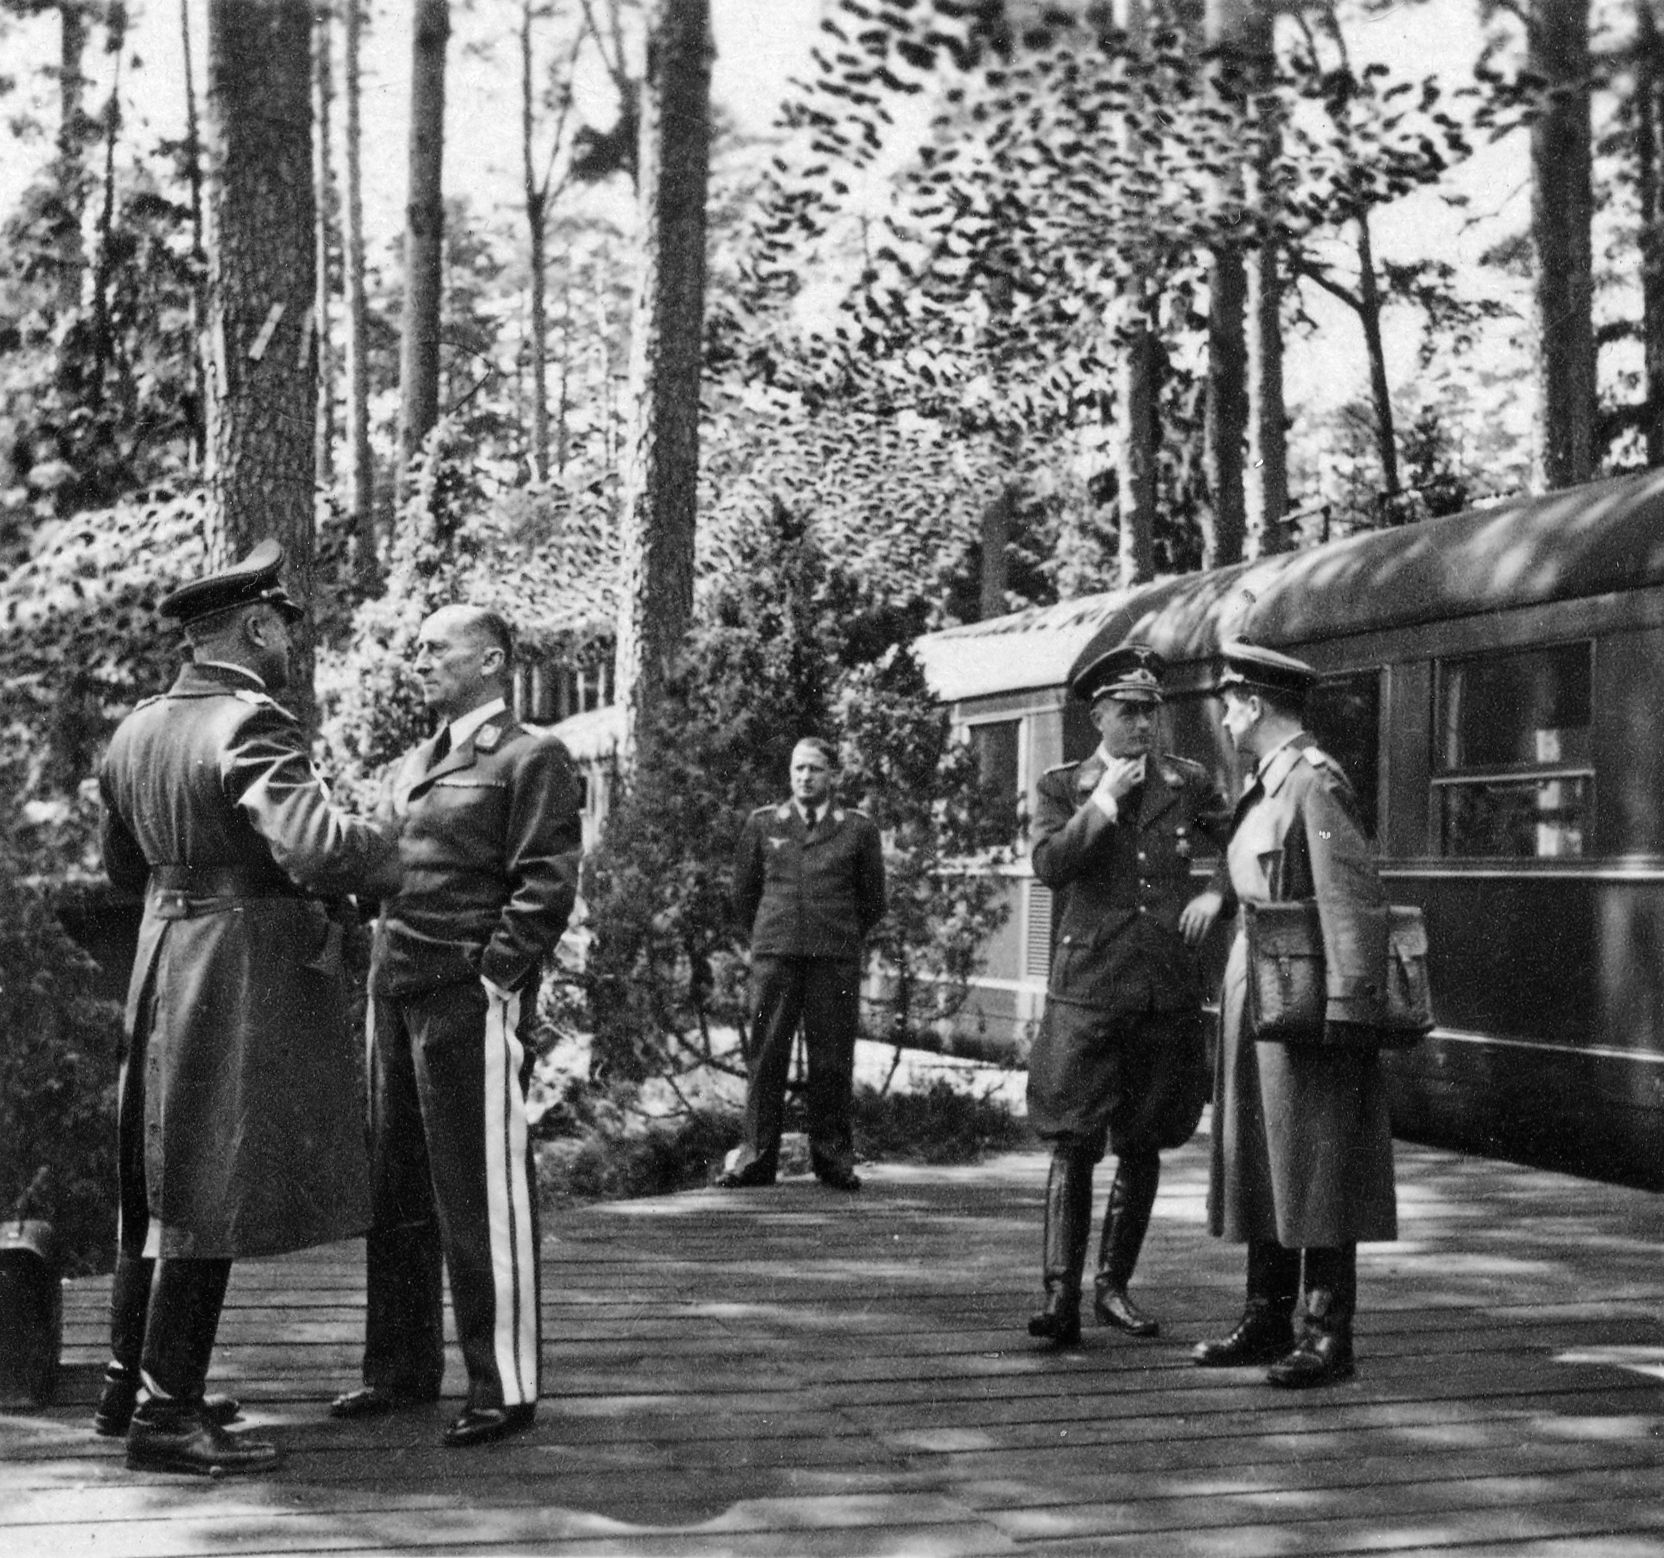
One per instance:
(1560, 774)
(1363, 775)
(973, 732)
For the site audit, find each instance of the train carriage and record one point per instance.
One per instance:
(1493, 683)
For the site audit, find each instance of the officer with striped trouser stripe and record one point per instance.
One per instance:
(489, 842)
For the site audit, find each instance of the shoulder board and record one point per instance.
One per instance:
(1063, 768)
(257, 700)
(1183, 764)
(144, 703)
(1321, 759)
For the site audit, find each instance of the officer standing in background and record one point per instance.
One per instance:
(239, 1127)
(809, 887)
(1302, 1145)
(489, 840)
(1119, 1057)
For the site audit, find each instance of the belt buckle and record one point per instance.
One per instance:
(173, 904)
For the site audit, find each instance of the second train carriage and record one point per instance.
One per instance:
(1493, 683)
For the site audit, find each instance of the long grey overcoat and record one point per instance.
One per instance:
(1302, 1146)
(237, 1028)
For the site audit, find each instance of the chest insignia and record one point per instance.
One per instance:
(777, 843)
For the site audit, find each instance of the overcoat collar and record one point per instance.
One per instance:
(199, 680)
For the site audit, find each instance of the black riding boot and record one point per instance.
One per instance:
(1068, 1227)
(129, 1308)
(170, 1429)
(1265, 1332)
(1323, 1353)
(1126, 1219)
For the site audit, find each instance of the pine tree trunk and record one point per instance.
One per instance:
(536, 225)
(1562, 209)
(1266, 495)
(361, 473)
(103, 343)
(199, 253)
(661, 459)
(260, 288)
(424, 241)
(71, 170)
(323, 99)
(1135, 458)
(1649, 134)
(1225, 423)
(1369, 314)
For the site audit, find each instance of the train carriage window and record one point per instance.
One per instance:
(1513, 775)
(1344, 713)
(997, 745)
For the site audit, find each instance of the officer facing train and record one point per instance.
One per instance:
(1119, 1060)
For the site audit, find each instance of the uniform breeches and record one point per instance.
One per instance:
(164, 1314)
(823, 996)
(1135, 1081)
(452, 1174)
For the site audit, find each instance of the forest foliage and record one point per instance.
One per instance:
(923, 284)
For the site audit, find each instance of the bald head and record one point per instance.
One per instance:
(463, 658)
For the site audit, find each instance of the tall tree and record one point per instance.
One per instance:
(1266, 491)
(192, 153)
(1647, 112)
(1136, 379)
(1226, 416)
(661, 459)
(260, 285)
(360, 463)
(1562, 211)
(424, 234)
(323, 106)
(71, 169)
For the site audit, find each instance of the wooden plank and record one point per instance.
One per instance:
(790, 1371)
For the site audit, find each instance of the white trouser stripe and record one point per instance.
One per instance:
(509, 1203)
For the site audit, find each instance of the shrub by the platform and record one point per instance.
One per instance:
(58, 1056)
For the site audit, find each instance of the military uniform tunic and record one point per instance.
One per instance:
(1120, 1045)
(1302, 1145)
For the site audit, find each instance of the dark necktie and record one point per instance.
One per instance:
(441, 748)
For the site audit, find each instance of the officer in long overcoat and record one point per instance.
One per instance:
(808, 889)
(240, 1125)
(1119, 1058)
(490, 838)
(1302, 1145)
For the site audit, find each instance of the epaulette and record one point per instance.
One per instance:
(144, 703)
(258, 700)
(1187, 765)
(1062, 767)
(1320, 759)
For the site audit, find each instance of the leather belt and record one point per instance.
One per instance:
(223, 881)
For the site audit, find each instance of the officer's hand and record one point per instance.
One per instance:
(1199, 914)
(1119, 776)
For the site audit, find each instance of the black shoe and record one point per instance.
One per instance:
(752, 1177)
(1059, 1322)
(1262, 1336)
(121, 1395)
(378, 1401)
(1319, 1358)
(839, 1178)
(1114, 1308)
(170, 1436)
(480, 1425)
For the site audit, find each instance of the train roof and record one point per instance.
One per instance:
(1591, 540)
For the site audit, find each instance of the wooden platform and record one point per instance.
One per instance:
(797, 1372)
